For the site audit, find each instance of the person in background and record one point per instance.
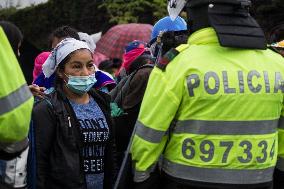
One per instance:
(163, 25)
(88, 39)
(111, 66)
(105, 81)
(276, 38)
(107, 66)
(14, 36)
(39, 60)
(133, 50)
(278, 47)
(61, 33)
(271, 19)
(276, 34)
(41, 84)
(117, 62)
(128, 96)
(74, 137)
(15, 111)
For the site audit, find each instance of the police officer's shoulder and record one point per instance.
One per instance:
(170, 55)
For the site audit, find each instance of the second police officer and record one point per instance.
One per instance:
(215, 110)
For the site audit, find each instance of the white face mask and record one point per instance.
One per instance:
(81, 84)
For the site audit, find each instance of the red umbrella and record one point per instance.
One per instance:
(112, 44)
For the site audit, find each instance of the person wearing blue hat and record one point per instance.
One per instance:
(166, 24)
(163, 25)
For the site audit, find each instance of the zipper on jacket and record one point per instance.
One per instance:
(80, 143)
(69, 125)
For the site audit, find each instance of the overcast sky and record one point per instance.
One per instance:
(19, 3)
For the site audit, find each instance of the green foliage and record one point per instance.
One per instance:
(5, 13)
(39, 21)
(141, 11)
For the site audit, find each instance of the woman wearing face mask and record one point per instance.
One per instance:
(73, 132)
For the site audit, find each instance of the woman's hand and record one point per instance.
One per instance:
(37, 90)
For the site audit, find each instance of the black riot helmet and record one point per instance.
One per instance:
(231, 20)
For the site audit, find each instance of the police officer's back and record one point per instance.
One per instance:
(214, 110)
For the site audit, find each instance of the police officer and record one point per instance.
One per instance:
(213, 107)
(16, 103)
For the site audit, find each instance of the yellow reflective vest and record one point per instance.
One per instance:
(16, 100)
(215, 113)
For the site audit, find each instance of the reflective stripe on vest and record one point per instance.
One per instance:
(14, 147)
(14, 99)
(140, 176)
(280, 164)
(225, 176)
(148, 134)
(226, 127)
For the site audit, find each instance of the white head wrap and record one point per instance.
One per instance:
(61, 51)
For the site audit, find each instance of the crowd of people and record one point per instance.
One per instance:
(198, 106)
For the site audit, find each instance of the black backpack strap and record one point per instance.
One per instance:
(126, 86)
(116, 91)
(48, 101)
(122, 89)
(145, 66)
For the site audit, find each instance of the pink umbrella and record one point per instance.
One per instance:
(113, 42)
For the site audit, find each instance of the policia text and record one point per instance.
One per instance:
(254, 80)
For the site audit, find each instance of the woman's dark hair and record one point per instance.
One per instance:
(13, 34)
(58, 80)
(116, 63)
(63, 32)
(106, 65)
